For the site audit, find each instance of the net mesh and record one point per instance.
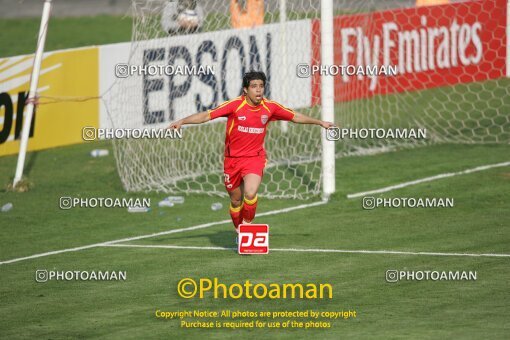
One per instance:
(450, 107)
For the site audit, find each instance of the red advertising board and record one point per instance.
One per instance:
(429, 46)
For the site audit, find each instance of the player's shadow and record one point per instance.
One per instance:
(222, 238)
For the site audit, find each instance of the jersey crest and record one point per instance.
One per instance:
(264, 119)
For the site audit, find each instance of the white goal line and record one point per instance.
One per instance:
(268, 213)
(172, 231)
(312, 250)
(428, 179)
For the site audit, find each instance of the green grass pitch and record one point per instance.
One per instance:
(418, 309)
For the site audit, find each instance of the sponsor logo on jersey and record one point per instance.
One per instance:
(250, 129)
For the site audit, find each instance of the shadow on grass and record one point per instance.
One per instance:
(222, 238)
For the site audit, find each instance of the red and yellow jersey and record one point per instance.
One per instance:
(247, 124)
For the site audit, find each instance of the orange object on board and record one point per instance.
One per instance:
(431, 2)
(252, 16)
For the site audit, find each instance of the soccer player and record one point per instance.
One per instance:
(245, 158)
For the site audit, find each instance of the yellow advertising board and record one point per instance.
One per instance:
(68, 89)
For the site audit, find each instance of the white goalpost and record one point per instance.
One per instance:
(34, 79)
(327, 98)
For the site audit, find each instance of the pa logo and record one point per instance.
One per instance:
(253, 239)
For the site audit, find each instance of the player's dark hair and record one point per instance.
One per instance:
(253, 75)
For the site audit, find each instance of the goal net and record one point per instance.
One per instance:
(450, 82)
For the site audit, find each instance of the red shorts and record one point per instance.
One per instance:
(235, 168)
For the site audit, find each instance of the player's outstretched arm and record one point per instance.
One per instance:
(197, 118)
(300, 118)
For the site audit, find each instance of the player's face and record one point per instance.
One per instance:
(255, 91)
